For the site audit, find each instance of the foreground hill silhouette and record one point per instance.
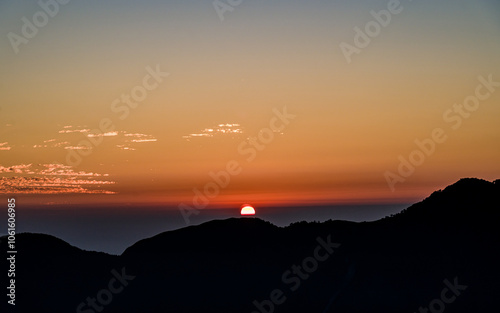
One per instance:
(397, 264)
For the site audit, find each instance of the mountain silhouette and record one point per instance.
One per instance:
(444, 247)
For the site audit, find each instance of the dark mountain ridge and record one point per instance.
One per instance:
(396, 264)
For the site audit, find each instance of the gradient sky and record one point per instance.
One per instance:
(352, 120)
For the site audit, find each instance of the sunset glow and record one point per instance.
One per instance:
(163, 120)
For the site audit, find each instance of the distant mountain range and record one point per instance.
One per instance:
(439, 255)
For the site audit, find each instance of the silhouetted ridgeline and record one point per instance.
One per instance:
(439, 254)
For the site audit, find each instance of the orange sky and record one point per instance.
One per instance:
(225, 82)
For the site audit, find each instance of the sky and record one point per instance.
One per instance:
(213, 104)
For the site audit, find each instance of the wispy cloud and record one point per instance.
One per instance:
(77, 148)
(4, 146)
(125, 147)
(51, 179)
(108, 134)
(55, 178)
(219, 130)
(68, 131)
(46, 169)
(124, 138)
(131, 138)
(52, 143)
(51, 185)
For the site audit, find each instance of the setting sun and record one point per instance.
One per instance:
(247, 210)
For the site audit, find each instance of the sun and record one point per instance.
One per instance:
(247, 210)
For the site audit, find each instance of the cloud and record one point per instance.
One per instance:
(68, 131)
(77, 148)
(219, 130)
(108, 134)
(52, 178)
(4, 146)
(124, 138)
(52, 143)
(143, 140)
(21, 168)
(51, 185)
(131, 138)
(125, 147)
